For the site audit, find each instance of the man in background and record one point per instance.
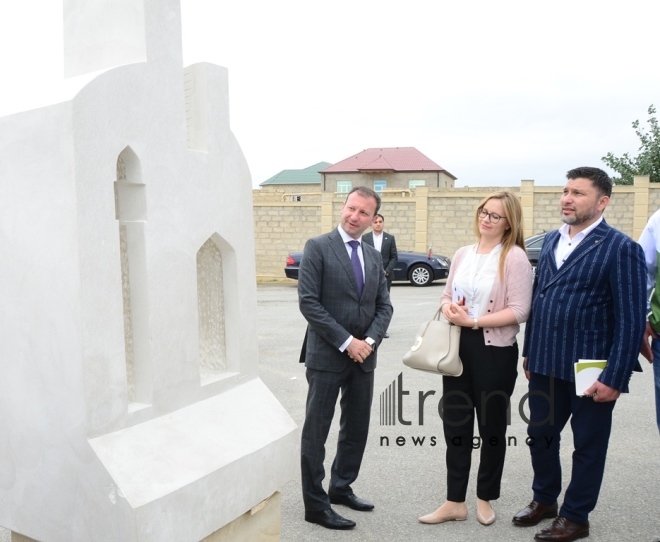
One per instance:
(384, 243)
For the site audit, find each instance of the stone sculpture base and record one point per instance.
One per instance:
(261, 524)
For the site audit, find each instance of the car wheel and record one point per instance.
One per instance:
(420, 275)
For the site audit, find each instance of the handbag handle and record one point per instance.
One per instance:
(437, 316)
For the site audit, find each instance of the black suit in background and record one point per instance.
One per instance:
(329, 301)
(388, 254)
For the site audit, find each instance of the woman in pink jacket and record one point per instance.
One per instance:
(488, 293)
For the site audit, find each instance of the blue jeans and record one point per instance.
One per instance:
(655, 345)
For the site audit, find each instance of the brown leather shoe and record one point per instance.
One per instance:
(535, 512)
(563, 530)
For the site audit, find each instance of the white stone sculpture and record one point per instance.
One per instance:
(130, 404)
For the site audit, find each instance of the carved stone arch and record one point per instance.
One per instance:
(128, 166)
(215, 271)
(131, 214)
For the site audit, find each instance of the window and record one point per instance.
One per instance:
(379, 186)
(344, 187)
(415, 184)
(538, 243)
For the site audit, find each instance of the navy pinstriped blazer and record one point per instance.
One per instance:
(593, 307)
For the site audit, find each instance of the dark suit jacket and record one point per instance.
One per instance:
(387, 250)
(329, 301)
(593, 307)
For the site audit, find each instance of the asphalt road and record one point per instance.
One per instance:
(407, 479)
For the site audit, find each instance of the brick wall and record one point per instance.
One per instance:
(450, 217)
(546, 214)
(654, 200)
(280, 228)
(399, 216)
(441, 217)
(619, 212)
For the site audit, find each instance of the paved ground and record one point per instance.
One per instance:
(408, 480)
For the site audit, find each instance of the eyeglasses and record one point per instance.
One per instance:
(491, 216)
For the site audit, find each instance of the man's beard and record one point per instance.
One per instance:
(577, 219)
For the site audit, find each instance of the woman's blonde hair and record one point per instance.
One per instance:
(511, 236)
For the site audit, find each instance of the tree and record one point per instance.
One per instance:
(647, 162)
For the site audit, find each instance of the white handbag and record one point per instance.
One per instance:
(436, 348)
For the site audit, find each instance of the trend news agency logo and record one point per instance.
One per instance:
(392, 411)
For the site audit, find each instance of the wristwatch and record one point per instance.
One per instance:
(370, 341)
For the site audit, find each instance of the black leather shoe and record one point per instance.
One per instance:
(535, 512)
(352, 501)
(563, 530)
(329, 519)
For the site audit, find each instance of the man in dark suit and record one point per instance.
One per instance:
(343, 296)
(384, 243)
(588, 303)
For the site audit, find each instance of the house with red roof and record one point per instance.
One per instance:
(385, 169)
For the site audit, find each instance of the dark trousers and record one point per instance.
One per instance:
(551, 403)
(357, 388)
(489, 376)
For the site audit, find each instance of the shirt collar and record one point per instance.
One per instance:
(345, 237)
(565, 229)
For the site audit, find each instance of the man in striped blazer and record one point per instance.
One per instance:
(588, 303)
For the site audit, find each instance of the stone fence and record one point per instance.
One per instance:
(438, 217)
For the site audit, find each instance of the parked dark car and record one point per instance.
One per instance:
(419, 268)
(534, 245)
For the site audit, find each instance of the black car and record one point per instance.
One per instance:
(533, 245)
(419, 268)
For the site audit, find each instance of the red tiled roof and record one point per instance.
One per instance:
(387, 159)
(379, 164)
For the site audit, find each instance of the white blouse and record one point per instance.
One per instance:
(474, 280)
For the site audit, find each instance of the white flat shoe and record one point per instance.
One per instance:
(460, 514)
(484, 519)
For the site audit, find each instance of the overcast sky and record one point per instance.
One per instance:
(494, 92)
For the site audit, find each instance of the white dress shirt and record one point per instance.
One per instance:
(378, 240)
(566, 245)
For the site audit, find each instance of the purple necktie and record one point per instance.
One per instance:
(357, 268)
